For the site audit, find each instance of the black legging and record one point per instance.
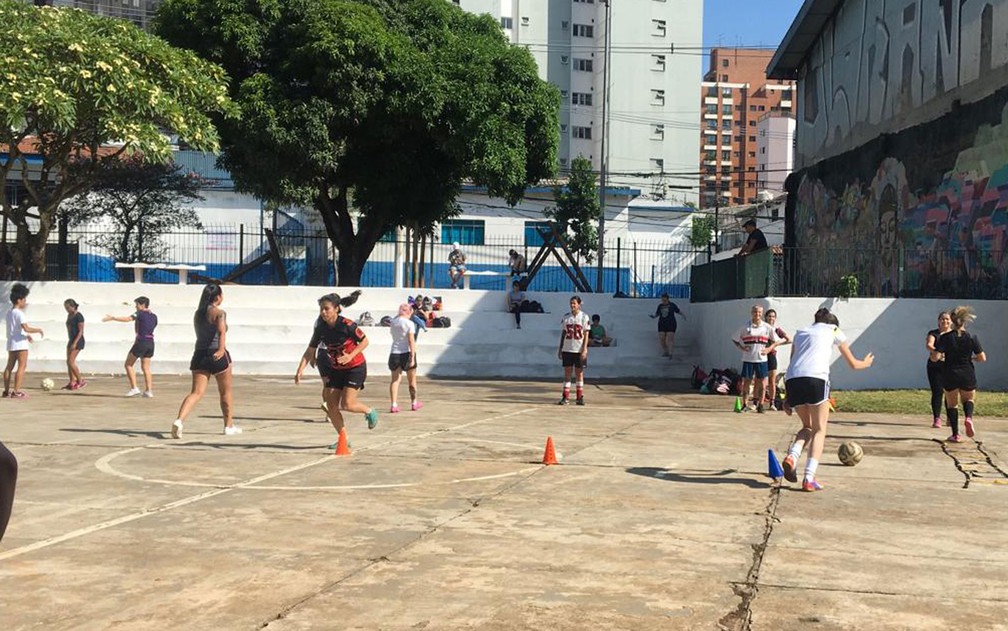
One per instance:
(516, 309)
(937, 394)
(8, 479)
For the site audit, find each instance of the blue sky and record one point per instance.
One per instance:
(747, 22)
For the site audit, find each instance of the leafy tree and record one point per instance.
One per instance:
(701, 231)
(577, 209)
(140, 201)
(371, 111)
(79, 91)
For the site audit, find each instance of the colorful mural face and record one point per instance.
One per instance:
(946, 241)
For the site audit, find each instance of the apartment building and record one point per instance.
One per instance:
(140, 12)
(747, 128)
(651, 142)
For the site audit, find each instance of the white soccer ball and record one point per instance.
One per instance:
(48, 384)
(850, 453)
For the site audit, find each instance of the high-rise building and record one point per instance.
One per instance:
(140, 12)
(747, 127)
(652, 111)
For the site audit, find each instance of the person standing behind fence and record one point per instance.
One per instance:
(756, 241)
(807, 388)
(517, 302)
(753, 340)
(782, 339)
(456, 266)
(144, 322)
(573, 352)
(935, 367)
(75, 344)
(959, 349)
(666, 314)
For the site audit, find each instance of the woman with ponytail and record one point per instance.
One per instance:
(210, 358)
(337, 350)
(959, 350)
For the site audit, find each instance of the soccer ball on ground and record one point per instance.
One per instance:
(48, 384)
(850, 453)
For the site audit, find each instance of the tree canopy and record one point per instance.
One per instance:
(380, 106)
(81, 90)
(577, 209)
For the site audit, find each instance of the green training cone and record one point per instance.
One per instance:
(738, 404)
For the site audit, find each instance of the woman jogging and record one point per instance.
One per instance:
(210, 358)
(959, 349)
(403, 358)
(807, 389)
(935, 368)
(341, 362)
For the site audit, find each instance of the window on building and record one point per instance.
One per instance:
(725, 155)
(581, 98)
(507, 22)
(726, 109)
(583, 65)
(762, 150)
(465, 231)
(736, 154)
(658, 132)
(752, 138)
(564, 25)
(739, 138)
(584, 30)
(726, 125)
(532, 238)
(725, 92)
(750, 185)
(712, 124)
(525, 21)
(657, 97)
(710, 154)
(751, 154)
(584, 1)
(739, 108)
(710, 169)
(786, 95)
(724, 63)
(726, 170)
(761, 108)
(724, 77)
(710, 108)
(658, 63)
(658, 164)
(583, 133)
(751, 123)
(712, 91)
(658, 29)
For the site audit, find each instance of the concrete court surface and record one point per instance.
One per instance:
(660, 515)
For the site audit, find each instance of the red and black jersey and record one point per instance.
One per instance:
(341, 338)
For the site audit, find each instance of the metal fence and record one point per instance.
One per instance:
(644, 268)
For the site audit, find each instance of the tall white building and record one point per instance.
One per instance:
(775, 133)
(652, 112)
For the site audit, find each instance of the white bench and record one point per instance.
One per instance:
(181, 269)
(468, 276)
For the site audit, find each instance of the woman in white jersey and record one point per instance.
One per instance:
(402, 357)
(807, 388)
(573, 351)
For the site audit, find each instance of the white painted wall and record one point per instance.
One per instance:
(892, 329)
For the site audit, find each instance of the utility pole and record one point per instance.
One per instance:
(604, 162)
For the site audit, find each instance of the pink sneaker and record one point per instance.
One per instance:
(70, 386)
(19, 395)
(811, 485)
(955, 438)
(394, 409)
(969, 426)
(416, 405)
(80, 384)
(937, 422)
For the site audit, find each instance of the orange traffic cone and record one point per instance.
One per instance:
(550, 456)
(342, 448)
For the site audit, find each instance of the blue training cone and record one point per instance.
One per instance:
(774, 469)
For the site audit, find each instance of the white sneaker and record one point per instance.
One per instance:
(176, 428)
(148, 394)
(231, 431)
(132, 392)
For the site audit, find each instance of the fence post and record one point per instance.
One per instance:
(241, 243)
(619, 271)
(633, 276)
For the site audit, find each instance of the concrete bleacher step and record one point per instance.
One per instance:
(269, 328)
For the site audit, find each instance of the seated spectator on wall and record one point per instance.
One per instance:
(456, 266)
(597, 336)
(517, 302)
(517, 263)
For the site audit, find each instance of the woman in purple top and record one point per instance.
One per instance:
(144, 323)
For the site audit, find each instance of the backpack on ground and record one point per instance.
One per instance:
(365, 319)
(385, 321)
(533, 306)
(698, 378)
(441, 322)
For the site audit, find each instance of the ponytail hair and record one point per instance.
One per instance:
(825, 316)
(961, 316)
(335, 300)
(207, 298)
(70, 302)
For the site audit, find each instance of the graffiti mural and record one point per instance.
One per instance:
(913, 237)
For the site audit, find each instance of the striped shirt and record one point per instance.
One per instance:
(756, 337)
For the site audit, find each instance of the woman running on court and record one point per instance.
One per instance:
(210, 359)
(959, 349)
(341, 362)
(934, 368)
(807, 388)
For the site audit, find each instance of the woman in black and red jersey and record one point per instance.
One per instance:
(337, 349)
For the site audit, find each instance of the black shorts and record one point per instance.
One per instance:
(142, 348)
(203, 361)
(666, 327)
(400, 361)
(771, 362)
(958, 378)
(79, 346)
(573, 359)
(806, 391)
(342, 379)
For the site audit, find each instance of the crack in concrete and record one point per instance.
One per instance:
(966, 466)
(740, 618)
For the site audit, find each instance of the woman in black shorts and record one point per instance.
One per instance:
(934, 368)
(959, 349)
(75, 344)
(337, 350)
(210, 358)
